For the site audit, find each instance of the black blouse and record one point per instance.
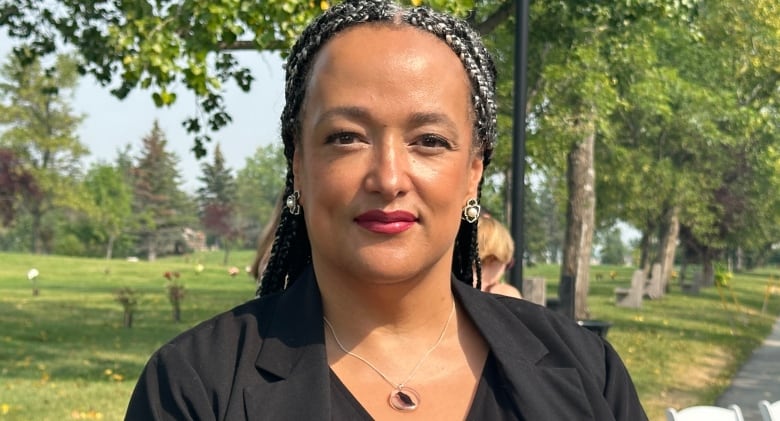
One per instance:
(491, 401)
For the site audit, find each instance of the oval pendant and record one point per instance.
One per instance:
(404, 399)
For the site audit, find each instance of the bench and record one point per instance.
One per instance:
(631, 297)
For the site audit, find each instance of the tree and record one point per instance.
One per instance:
(161, 208)
(139, 44)
(17, 185)
(571, 96)
(612, 251)
(688, 149)
(260, 184)
(112, 198)
(217, 199)
(41, 130)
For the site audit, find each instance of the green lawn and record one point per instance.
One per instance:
(681, 350)
(64, 354)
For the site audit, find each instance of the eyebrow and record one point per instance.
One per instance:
(420, 119)
(357, 113)
(362, 114)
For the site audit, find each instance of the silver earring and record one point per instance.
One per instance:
(471, 211)
(292, 203)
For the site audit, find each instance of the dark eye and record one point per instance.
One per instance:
(342, 138)
(433, 141)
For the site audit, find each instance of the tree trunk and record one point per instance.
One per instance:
(683, 266)
(740, 264)
(128, 318)
(176, 312)
(644, 251)
(151, 245)
(580, 217)
(110, 246)
(668, 245)
(708, 270)
(37, 241)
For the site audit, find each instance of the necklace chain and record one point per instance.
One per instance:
(397, 386)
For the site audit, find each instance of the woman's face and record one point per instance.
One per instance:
(385, 162)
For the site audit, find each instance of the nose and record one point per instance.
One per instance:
(389, 173)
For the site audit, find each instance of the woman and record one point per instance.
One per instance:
(364, 312)
(496, 251)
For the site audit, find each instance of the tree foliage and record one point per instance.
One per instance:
(17, 185)
(217, 201)
(159, 204)
(161, 45)
(260, 183)
(112, 197)
(40, 128)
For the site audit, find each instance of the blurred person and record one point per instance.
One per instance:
(266, 240)
(496, 251)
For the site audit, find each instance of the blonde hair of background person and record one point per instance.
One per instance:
(496, 251)
(266, 240)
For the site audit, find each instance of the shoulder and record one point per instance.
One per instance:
(505, 289)
(220, 342)
(524, 335)
(565, 342)
(199, 368)
(549, 325)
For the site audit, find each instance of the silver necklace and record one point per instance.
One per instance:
(403, 397)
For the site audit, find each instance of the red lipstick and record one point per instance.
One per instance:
(382, 222)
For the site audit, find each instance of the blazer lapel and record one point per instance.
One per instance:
(292, 359)
(296, 375)
(539, 392)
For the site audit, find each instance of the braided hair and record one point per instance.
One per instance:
(291, 251)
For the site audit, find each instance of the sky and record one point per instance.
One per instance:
(110, 124)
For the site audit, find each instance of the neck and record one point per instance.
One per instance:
(363, 310)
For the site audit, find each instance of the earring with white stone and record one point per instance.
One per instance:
(471, 211)
(292, 203)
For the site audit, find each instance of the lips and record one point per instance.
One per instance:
(382, 222)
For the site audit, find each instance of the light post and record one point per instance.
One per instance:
(518, 140)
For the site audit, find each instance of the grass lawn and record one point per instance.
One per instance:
(681, 350)
(65, 354)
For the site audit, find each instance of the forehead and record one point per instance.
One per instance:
(389, 61)
(389, 38)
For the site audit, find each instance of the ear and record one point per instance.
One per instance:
(475, 175)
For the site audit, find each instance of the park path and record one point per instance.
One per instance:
(757, 379)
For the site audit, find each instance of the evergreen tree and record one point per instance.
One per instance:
(216, 201)
(159, 204)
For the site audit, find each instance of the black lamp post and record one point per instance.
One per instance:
(518, 139)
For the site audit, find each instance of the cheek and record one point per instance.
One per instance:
(323, 184)
(449, 184)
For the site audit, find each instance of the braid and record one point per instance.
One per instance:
(275, 273)
(478, 64)
(466, 264)
(291, 251)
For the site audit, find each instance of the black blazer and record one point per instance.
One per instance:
(265, 360)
